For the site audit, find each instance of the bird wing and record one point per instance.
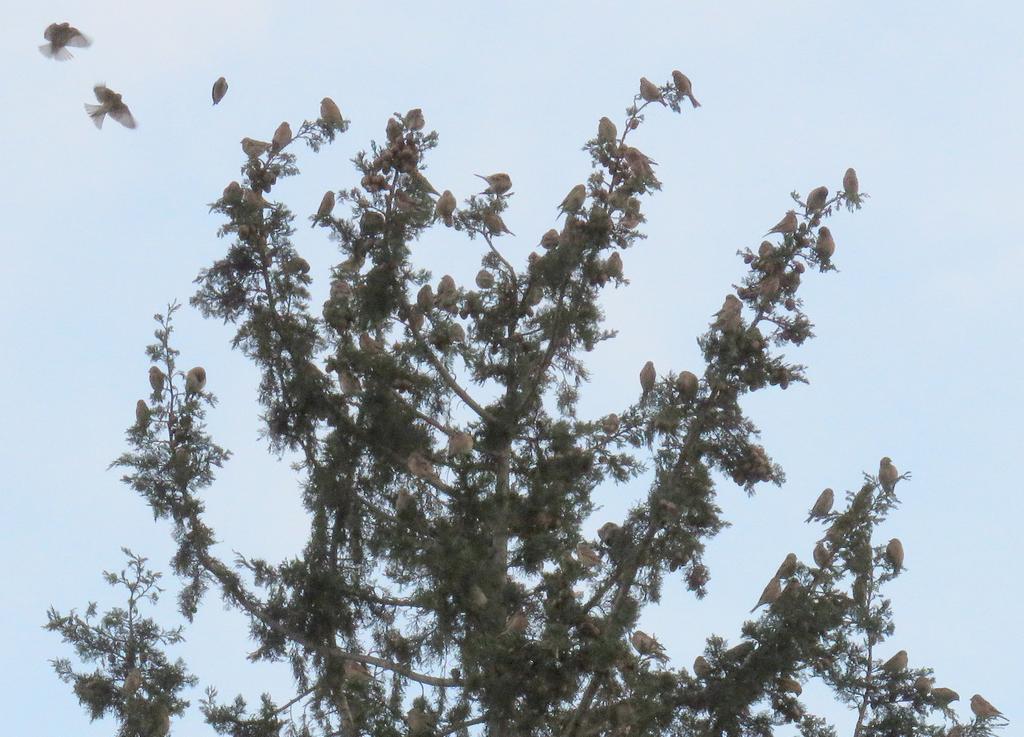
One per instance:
(78, 39)
(123, 116)
(102, 92)
(55, 52)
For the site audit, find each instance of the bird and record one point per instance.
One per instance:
(851, 186)
(790, 685)
(822, 555)
(326, 207)
(460, 443)
(220, 88)
(816, 199)
(639, 163)
(253, 148)
(516, 624)
(701, 667)
(727, 319)
(608, 532)
(687, 384)
(420, 466)
(356, 671)
(232, 193)
(574, 200)
(421, 182)
(110, 104)
(477, 598)
(142, 413)
(785, 226)
(195, 380)
(497, 184)
(495, 225)
(484, 279)
(550, 239)
(59, 36)
(887, 474)
(822, 506)
(647, 377)
(944, 696)
(282, 137)
(132, 681)
(156, 379)
(894, 552)
(606, 131)
(896, 663)
(445, 207)
(770, 594)
(923, 684)
(788, 567)
(649, 91)
(684, 87)
(647, 645)
(587, 555)
(330, 114)
(826, 244)
(350, 384)
(417, 721)
(414, 119)
(983, 709)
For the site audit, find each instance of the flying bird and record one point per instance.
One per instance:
(220, 88)
(110, 104)
(59, 36)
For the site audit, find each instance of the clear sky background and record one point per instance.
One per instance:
(918, 354)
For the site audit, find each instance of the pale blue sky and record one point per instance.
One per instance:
(916, 355)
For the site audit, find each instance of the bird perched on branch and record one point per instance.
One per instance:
(220, 88)
(887, 474)
(896, 663)
(851, 186)
(649, 91)
(770, 595)
(648, 376)
(497, 184)
(110, 104)
(645, 644)
(816, 199)
(330, 114)
(822, 506)
(785, 226)
(684, 87)
(983, 709)
(574, 200)
(606, 131)
(195, 380)
(788, 567)
(59, 36)
(727, 319)
(156, 379)
(894, 552)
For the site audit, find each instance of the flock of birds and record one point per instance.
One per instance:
(59, 36)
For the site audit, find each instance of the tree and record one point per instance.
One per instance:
(447, 476)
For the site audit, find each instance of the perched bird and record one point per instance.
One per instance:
(727, 319)
(282, 137)
(495, 224)
(516, 624)
(955, 731)
(356, 671)
(421, 182)
(195, 380)
(788, 567)
(587, 555)
(156, 379)
(132, 682)
(923, 684)
(417, 721)
(330, 114)
(701, 667)
(790, 685)
(232, 193)
(110, 104)
(350, 383)
(887, 474)
(220, 88)
(484, 279)
(142, 413)
(414, 119)
(647, 645)
(445, 207)
(420, 466)
(59, 36)
(983, 709)
(647, 377)
(649, 91)
(550, 239)
(822, 506)
(738, 652)
(826, 244)
(944, 696)
(770, 594)
(574, 200)
(851, 187)
(497, 184)
(326, 206)
(687, 384)
(785, 226)
(896, 663)
(639, 163)
(608, 532)
(816, 199)
(684, 87)
(460, 443)
(822, 555)
(253, 148)
(606, 131)
(894, 552)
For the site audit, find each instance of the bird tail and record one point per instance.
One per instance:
(60, 53)
(693, 101)
(97, 113)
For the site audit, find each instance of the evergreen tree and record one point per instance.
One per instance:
(446, 587)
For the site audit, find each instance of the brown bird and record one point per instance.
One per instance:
(923, 684)
(220, 88)
(816, 199)
(983, 709)
(702, 667)
(647, 377)
(326, 206)
(495, 224)
(785, 226)
(330, 114)
(822, 506)
(156, 379)
(790, 685)
(826, 244)
(253, 148)
(516, 624)
(896, 663)
(110, 104)
(420, 466)
(550, 239)
(608, 532)
(639, 163)
(613, 266)
(417, 721)
(894, 552)
(647, 645)
(944, 696)
(356, 671)
(195, 380)
(232, 193)
(887, 474)
(574, 200)
(851, 187)
(770, 594)
(606, 131)
(132, 682)
(59, 36)
(460, 443)
(445, 207)
(684, 87)
(788, 567)
(282, 137)
(727, 319)
(822, 555)
(649, 91)
(484, 279)
(414, 119)
(350, 384)
(142, 413)
(497, 184)
(587, 555)
(421, 182)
